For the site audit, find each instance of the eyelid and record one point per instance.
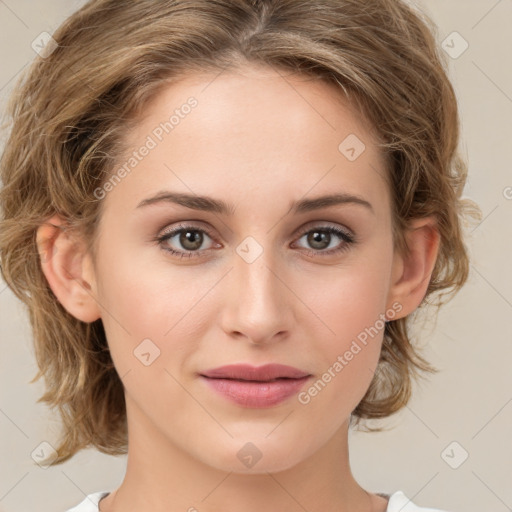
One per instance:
(198, 225)
(323, 225)
(195, 225)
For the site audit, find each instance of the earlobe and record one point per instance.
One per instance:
(412, 271)
(68, 270)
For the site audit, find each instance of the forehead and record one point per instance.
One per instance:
(255, 128)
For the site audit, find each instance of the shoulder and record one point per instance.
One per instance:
(90, 503)
(399, 502)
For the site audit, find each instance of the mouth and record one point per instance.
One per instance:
(261, 387)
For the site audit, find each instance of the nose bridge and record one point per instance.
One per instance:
(258, 306)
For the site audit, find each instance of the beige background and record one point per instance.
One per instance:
(469, 401)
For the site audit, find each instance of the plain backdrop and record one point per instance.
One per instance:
(451, 446)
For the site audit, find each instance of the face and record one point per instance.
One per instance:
(273, 276)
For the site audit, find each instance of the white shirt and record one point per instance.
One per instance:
(398, 502)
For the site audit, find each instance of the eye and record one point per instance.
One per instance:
(323, 243)
(187, 241)
(184, 241)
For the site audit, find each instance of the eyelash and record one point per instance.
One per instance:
(347, 238)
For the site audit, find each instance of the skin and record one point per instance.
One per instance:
(259, 141)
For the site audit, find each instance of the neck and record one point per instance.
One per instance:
(161, 477)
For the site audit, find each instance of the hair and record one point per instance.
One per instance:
(71, 111)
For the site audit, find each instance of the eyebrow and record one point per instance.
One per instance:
(209, 204)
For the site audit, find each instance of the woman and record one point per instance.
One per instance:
(222, 216)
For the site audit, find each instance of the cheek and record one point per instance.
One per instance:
(153, 301)
(351, 299)
(351, 305)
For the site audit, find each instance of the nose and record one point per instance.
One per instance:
(258, 304)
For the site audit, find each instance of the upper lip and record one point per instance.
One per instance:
(260, 373)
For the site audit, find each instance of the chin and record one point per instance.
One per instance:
(257, 456)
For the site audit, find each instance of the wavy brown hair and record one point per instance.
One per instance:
(71, 111)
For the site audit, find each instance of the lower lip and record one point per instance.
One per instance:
(256, 394)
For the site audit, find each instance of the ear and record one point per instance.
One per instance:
(68, 269)
(412, 271)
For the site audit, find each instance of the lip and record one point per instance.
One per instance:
(256, 387)
(259, 373)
